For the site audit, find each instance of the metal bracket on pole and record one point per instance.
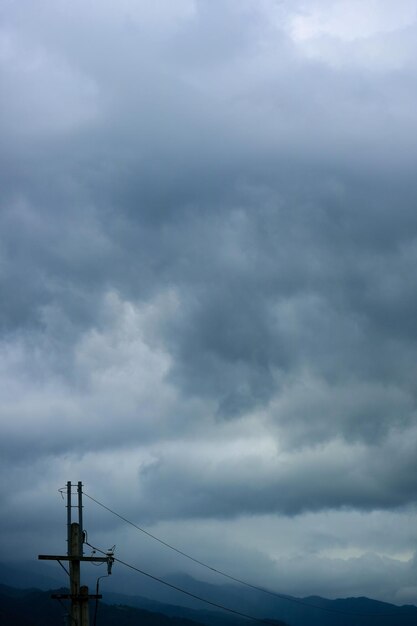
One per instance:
(78, 595)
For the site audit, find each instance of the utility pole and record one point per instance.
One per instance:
(79, 596)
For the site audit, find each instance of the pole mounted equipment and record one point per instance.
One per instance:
(79, 596)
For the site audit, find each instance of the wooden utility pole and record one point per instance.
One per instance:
(75, 575)
(79, 596)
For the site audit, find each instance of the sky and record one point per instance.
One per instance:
(208, 251)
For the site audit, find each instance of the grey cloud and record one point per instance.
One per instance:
(201, 226)
(332, 477)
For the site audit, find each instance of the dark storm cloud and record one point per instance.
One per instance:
(208, 231)
(212, 480)
(314, 286)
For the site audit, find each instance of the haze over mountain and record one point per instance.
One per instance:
(30, 607)
(208, 250)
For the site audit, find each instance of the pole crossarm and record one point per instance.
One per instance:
(76, 537)
(92, 559)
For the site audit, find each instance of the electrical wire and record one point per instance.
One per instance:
(188, 593)
(251, 617)
(184, 554)
(96, 603)
(229, 576)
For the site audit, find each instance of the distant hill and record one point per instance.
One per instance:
(36, 608)
(310, 611)
(156, 598)
(32, 573)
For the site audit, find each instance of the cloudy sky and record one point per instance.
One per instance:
(208, 251)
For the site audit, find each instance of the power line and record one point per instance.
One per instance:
(188, 556)
(229, 610)
(229, 576)
(188, 593)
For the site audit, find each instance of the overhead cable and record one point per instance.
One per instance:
(184, 554)
(276, 594)
(188, 593)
